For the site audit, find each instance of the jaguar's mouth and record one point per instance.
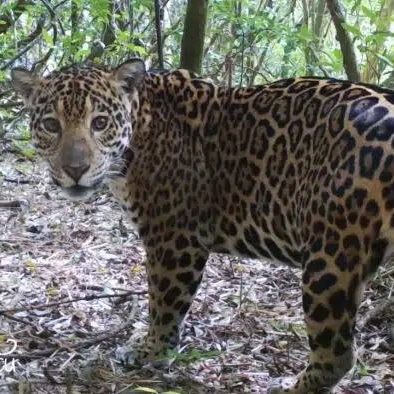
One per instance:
(80, 192)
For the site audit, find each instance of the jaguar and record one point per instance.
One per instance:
(299, 171)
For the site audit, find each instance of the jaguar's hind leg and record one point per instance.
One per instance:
(333, 283)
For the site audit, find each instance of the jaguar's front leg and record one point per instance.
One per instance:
(174, 273)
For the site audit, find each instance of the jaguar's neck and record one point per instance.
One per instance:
(175, 109)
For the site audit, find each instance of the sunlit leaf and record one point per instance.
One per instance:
(145, 390)
(355, 30)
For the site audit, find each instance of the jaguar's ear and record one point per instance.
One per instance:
(130, 74)
(24, 82)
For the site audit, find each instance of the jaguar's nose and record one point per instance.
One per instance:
(76, 172)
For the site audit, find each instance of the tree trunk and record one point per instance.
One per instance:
(75, 17)
(160, 55)
(345, 41)
(193, 35)
(308, 52)
(320, 8)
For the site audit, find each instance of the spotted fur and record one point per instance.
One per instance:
(299, 171)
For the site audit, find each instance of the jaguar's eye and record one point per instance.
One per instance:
(99, 123)
(51, 124)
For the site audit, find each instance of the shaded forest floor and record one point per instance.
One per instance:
(245, 327)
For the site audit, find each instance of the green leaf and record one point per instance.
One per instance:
(47, 37)
(368, 13)
(305, 34)
(356, 5)
(355, 30)
(52, 292)
(23, 149)
(385, 60)
(337, 53)
(145, 390)
(100, 9)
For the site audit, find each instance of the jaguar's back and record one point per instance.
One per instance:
(296, 158)
(300, 171)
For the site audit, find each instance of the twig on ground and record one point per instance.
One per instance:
(18, 180)
(49, 376)
(14, 204)
(73, 347)
(86, 298)
(17, 319)
(377, 311)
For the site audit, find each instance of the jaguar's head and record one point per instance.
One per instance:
(80, 120)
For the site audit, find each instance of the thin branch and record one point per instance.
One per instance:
(13, 203)
(153, 19)
(86, 298)
(64, 346)
(10, 62)
(345, 41)
(60, 4)
(5, 93)
(18, 182)
(158, 34)
(11, 104)
(34, 34)
(70, 347)
(53, 14)
(18, 319)
(33, 38)
(10, 17)
(130, 13)
(45, 58)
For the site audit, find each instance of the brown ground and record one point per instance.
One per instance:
(245, 327)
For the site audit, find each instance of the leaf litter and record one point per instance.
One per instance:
(73, 289)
